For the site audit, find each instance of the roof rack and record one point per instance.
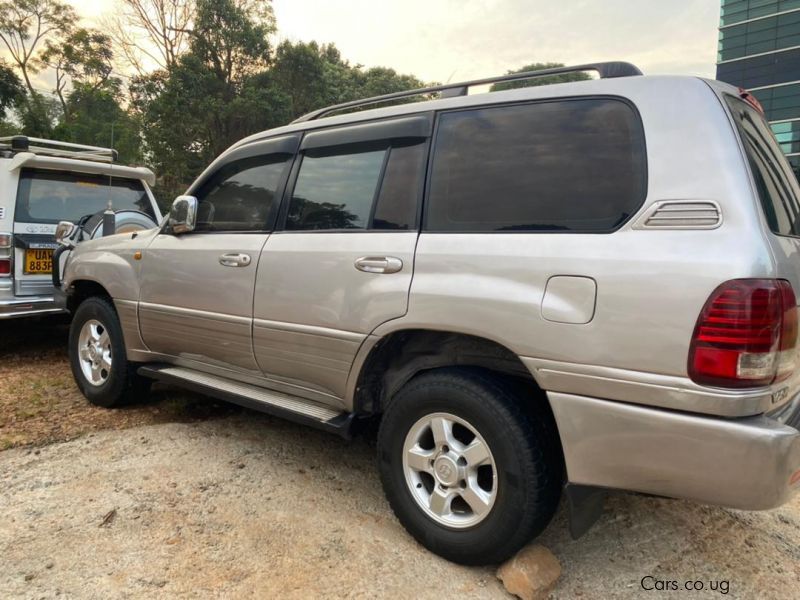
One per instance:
(605, 70)
(21, 143)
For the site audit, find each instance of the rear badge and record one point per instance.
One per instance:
(780, 395)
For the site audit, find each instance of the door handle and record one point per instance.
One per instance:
(234, 260)
(379, 264)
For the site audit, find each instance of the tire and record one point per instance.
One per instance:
(113, 386)
(524, 457)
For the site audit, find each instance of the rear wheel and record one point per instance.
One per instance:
(471, 475)
(97, 356)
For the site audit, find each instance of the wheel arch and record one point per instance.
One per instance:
(81, 289)
(386, 363)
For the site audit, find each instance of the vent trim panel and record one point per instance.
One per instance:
(681, 214)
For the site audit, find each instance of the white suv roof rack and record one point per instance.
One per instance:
(21, 143)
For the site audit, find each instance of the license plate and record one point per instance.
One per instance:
(38, 261)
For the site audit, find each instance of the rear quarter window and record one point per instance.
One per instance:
(771, 172)
(576, 165)
(51, 196)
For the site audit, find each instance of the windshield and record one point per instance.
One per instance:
(773, 176)
(52, 196)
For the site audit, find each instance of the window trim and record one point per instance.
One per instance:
(414, 126)
(432, 154)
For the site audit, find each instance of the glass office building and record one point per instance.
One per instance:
(759, 50)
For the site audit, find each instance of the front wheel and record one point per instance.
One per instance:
(97, 356)
(471, 475)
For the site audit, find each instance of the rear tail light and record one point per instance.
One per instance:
(5, 240)
(746, 334)
(5, 266)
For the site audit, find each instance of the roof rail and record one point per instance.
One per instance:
(21, 143)
(605, 70)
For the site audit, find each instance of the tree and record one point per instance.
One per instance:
(38, 115)
(546, 80)
(11, 90)
(214, 94)
(83, 58)
(98, 119)
(315, 76)
(24, 24)
(231, 37)
(152, 33)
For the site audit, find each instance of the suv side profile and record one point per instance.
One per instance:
(44, 182)
(557, 289)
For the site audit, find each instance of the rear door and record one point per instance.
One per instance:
(45, 197)
(196, 296)
(342, 260)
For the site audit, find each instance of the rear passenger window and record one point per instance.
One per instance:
(569, 166)
(335, 191)
(364, 186)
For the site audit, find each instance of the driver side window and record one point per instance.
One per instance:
(241, 196)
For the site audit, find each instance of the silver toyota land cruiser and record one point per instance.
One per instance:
(543, 291)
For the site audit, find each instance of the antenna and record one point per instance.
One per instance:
(109, 218)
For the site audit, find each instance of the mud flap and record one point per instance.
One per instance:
(585, 507)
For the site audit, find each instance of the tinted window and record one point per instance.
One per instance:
(335, 191)
(771, 172)
(397, 202)
(241, 195)
(53, 196)
(574, 165)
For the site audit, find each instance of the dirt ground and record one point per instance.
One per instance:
(40, 404)
(187, 497)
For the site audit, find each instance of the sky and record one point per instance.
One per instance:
(452, 40)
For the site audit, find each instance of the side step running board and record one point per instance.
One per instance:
(261, 399)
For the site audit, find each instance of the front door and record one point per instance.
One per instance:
(342, 263)
(196, 298)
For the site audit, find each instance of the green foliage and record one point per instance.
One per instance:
(38, 115)
(316, 76)
(85, 55)
(231, 37)
(11, 90)
(83, 59)
(546, 80)
(98, 119)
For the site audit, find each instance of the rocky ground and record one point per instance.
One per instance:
(193, 498)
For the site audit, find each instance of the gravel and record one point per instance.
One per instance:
(254, 506)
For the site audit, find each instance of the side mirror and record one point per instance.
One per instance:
(183, 214)
(64, 231)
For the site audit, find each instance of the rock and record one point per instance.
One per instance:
(531, 574)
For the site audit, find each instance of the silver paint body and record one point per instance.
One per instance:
(602, 321)
(29, 295)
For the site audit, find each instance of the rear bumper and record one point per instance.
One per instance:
(750, 463)
(29, 306)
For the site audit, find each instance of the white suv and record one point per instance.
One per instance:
(43, 182)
